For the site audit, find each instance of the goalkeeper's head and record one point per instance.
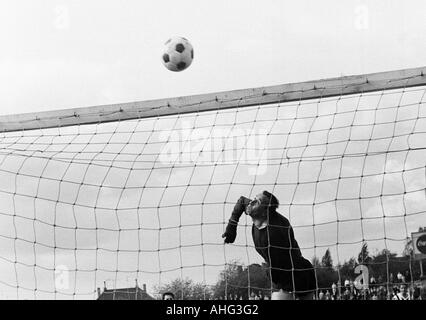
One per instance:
(261, 207)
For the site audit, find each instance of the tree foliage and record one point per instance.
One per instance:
(186, 289)
(327, 261)
(364, 255)
(239, 281)
(325, 273)
(383, 266)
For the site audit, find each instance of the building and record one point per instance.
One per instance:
(135, 293)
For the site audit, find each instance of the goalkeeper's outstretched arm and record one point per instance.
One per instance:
(231, 229)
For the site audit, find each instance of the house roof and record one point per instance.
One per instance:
(134, 293)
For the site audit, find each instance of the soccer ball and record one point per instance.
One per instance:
(178, 54)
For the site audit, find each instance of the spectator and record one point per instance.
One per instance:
(346, 294)
(416, 293)
(382, 293)
(327, 295)
(423, 293)
(168, 296)
(321, 295)
(407, 276)
(403, 294)
(364, 294)
(395, 291)
(353, 292)
(334, 293)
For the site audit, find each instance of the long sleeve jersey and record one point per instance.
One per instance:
(277, 245)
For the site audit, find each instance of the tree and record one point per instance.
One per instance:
(324, 271)
(315, 262)
(364, 255)
(240, 281)
(386, 262)
(347, 270)
(186, 289)
(327, 261)
(408, 248)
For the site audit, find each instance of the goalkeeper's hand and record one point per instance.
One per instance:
(230, 232)
(231, 229)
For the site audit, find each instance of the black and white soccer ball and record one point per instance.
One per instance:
(178, 54)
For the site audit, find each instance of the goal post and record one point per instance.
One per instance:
(92, 199)
(340, 86)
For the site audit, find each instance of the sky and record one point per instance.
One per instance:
(65, 54)
(106, 192)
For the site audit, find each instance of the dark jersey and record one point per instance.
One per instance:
(277, 245)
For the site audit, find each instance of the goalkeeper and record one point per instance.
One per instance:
(292, 275)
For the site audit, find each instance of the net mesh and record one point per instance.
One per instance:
(92, 206)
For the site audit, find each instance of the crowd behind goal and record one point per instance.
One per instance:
(402, 288)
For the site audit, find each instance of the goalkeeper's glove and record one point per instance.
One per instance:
(231, 229)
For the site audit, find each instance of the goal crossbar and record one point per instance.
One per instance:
(323, 88)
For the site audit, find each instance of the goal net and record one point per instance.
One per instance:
(100, 197)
